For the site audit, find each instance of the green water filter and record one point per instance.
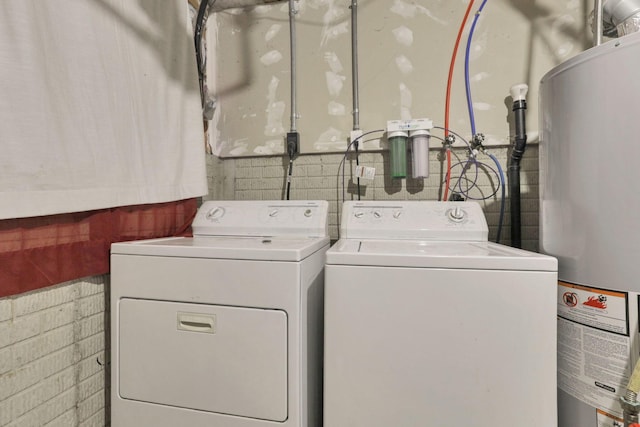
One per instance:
(398, 152)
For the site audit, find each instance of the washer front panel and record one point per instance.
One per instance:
(417, 347)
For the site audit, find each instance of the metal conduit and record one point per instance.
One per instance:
(598, 24)
(221, 5)
(292, 40)
(354, 64)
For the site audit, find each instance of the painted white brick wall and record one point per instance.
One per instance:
(316, 177)
(52, 356)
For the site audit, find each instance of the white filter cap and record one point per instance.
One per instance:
(519, 92)
(419, 132)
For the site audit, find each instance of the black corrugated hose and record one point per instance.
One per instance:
(197, 38)
(519, 110)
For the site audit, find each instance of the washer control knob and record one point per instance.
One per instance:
(397, 214)
(377, 214)
(359, 214)
(274, 213)
(215, 213)
(456, 214)
(308, 213)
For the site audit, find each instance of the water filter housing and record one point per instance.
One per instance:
(420, 153)
(398, 154)
(398, 133)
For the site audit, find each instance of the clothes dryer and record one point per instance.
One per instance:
(429, 324)
(223, 329)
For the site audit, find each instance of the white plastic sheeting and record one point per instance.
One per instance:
(99, 106)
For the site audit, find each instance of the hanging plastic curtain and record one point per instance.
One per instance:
(100, 106)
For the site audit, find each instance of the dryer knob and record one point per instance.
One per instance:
(215, 213)
(377, 214)
(274, 213)
(359, 214)
(308, 213)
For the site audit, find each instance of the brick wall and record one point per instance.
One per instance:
(316, 176)
(52, 356)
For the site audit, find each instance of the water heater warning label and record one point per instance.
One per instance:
(599, 308)
(593, 346)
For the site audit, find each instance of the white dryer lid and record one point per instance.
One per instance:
(434, 254)
(226, 247)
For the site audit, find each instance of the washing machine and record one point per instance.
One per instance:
(429, 324)
(222, 329)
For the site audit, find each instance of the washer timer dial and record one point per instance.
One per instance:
(456, 214)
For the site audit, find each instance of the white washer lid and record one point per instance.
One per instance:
(224, 247)
(430, 254)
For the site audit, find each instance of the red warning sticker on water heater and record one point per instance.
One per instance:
(598, 308)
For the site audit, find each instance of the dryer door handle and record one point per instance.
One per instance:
(197, 322)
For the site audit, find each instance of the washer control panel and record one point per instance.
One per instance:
(424, 220)
(262, 218)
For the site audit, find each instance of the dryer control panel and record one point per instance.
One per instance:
(414, 220)
(262, 218)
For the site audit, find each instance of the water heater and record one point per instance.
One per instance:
(590, 221)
